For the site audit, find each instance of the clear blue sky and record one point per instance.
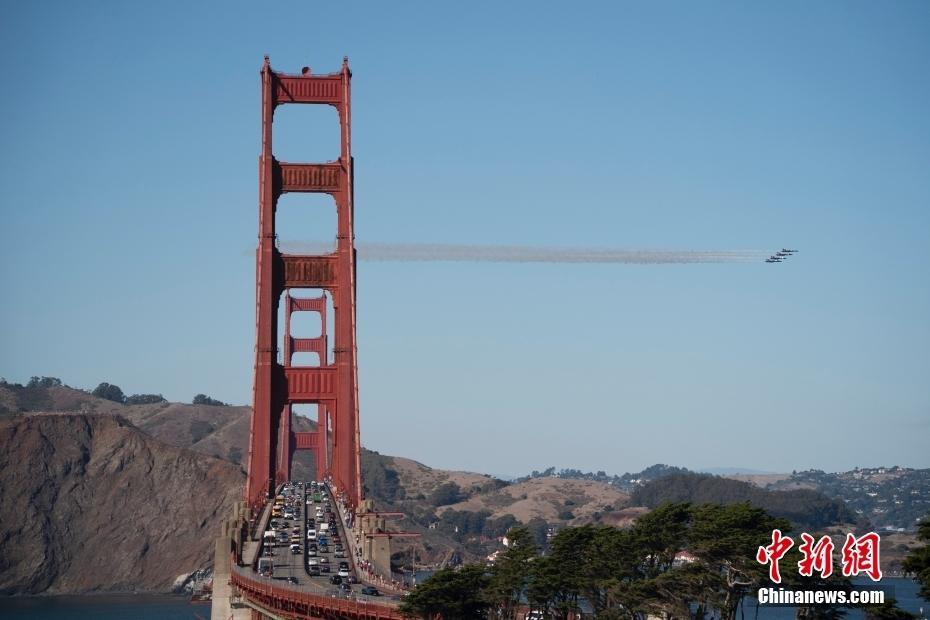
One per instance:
(128, 188)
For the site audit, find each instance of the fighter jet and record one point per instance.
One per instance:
(782, 254)
(772, 259)
(787, 251)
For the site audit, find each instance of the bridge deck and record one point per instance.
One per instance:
(311, 596)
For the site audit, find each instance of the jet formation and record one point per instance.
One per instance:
(778, 257)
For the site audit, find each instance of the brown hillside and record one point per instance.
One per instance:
(547, 498)
(417, 478)
(220, 431)
(85, 502)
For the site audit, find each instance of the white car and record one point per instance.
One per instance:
(343, 572)
(313, 562)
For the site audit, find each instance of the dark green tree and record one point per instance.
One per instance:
(109, 392)
(660, 535)
(560, 578)
(44, 382)
(674, 593)
(499, 526)
(540, 531)
(203, 399)
(546, 586)
(726, 538)
(510, 574)
(445, 494)
(144, 399)
(451, 594)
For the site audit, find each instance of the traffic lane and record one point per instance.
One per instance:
(347, 544)
(331, 554)
(350, 548)
(321, 581)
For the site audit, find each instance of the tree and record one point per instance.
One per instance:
(451, 594)
(675, 592)
(203, 399)
(546, 585)
(44, 382)
(660, 535)
(511, 572)
(726, 539)
(144, 399)
(448, 493)
(560, 578)
(499, 526)
(540, 531)
(918, 560)
(109, 392)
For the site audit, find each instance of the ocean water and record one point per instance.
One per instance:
(103, 607)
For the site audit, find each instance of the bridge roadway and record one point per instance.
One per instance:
(311, 596)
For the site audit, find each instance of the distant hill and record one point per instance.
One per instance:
(804, 507)
(891, 498)
(626, 482)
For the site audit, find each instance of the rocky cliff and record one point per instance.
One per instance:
(88, 502)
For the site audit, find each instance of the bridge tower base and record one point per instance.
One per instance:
(223, 605)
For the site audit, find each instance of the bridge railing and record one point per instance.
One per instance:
(282, 596)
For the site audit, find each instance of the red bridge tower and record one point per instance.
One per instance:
(331, 385)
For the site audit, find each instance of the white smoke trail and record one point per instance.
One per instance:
(433, 252)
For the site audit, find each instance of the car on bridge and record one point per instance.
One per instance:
(370, 591)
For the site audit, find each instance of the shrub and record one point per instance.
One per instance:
(144, 399)
(203, 399)
(109, 392)
(448, 493)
